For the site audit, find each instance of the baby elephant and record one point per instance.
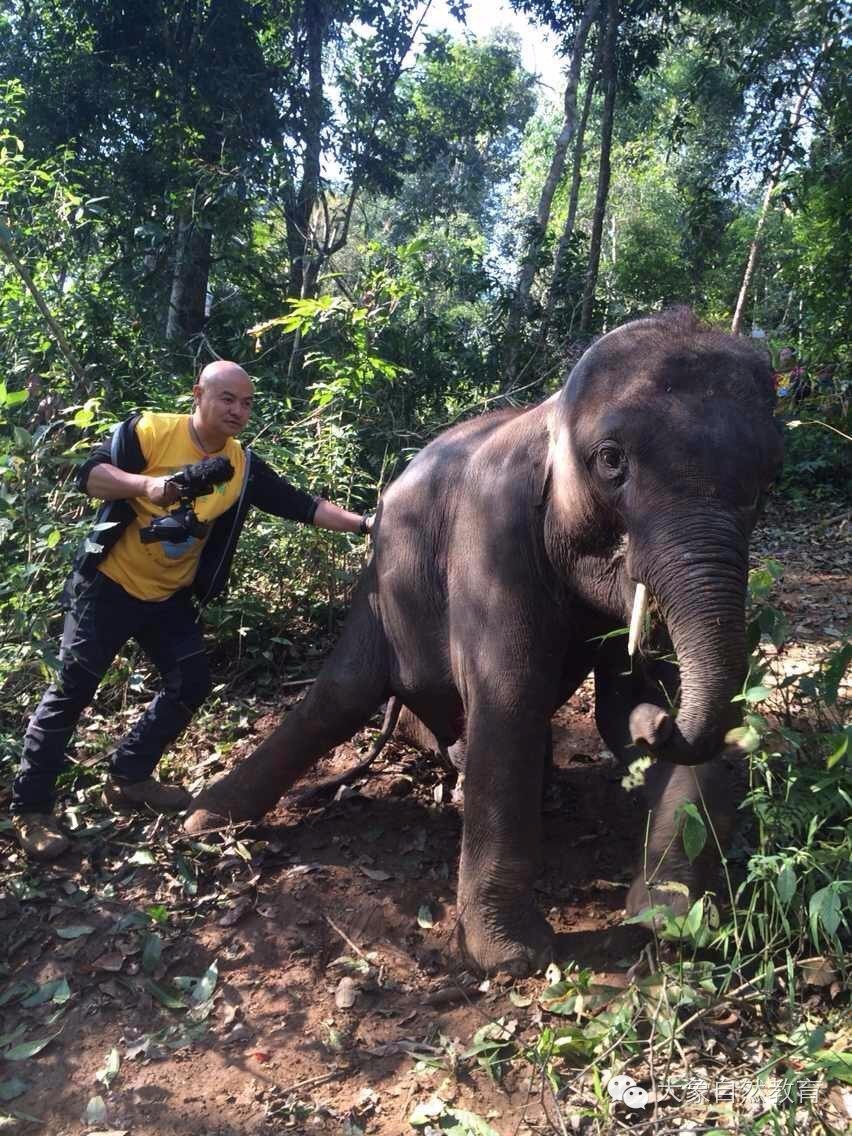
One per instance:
(503, 555)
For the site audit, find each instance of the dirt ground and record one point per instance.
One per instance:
(303, 977)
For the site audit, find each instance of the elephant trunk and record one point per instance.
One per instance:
(697, 573)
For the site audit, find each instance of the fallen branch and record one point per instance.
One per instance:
(352, 946)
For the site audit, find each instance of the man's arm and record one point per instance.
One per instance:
(328, 516)
(274, 494)
(110, 483)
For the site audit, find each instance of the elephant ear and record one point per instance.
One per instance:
(571, 508)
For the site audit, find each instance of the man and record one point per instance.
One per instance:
(123, 586)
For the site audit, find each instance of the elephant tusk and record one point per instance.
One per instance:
(637, 617)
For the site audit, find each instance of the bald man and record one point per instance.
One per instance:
(124, 587)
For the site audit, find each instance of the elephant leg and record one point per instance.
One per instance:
(350, 687)
(457, 755)
(411, 730)
(415, 732)
(712, 789)
(500, 928)
(619, 687)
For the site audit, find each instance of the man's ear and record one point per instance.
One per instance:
(196, 392)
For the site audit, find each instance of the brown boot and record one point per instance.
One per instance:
(149, 794)
(40, 836)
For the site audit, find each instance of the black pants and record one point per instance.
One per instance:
(101, 620)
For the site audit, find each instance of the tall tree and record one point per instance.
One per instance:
(536, 226)
(560, 258)
(609, 78)
(788, 138)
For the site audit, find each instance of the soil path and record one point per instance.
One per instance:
(302, 978)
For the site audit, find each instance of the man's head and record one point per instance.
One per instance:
(223, 398)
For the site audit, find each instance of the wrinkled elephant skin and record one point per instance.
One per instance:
(502, 555)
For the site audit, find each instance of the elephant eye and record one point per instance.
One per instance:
(611, 461)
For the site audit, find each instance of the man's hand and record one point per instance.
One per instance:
(160, 491)
(328, 516)
(112, 484)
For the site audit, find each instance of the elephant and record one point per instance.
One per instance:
(503, 557)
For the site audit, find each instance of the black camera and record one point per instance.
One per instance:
(192, 481)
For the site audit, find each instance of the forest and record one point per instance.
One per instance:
(393, 226)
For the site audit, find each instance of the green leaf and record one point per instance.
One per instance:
(786, 883)
(28, 1049)
(74, 932)
(190, 884)
(111, 1066)
(560, 998)
(56, 991)
(694, 833)
(152, 949)
(837, 667)
(837, 1065)
(157, 913)
(16, 990)
(824, 908)
(96, 1111)
(424, 916)
(12, 1088)
(756, 694)
(206, 984)
(53, 538)
(841, 749)
(694, 919)
(142, 856)
(164, 996)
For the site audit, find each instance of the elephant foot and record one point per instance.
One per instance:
(227, 801)
(642, 896)
(492, 943)
(202, 822)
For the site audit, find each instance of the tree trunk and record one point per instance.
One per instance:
(608, 72)
(188, 298)
(774, 178)
(538, 223)
(64, 346)
(795, 116)
(571, 216)
(300, 242)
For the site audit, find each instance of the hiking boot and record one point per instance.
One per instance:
(151, 794)
(39, 835)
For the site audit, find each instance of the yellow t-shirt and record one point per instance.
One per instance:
(157, 570)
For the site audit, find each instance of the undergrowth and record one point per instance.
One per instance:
(735, 1020)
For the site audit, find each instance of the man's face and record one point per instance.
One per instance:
(224, 403)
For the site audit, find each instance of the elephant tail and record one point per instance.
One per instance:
(332, 784)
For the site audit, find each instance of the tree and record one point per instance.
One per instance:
(536, 227)
(802, 65)
(609, 80)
